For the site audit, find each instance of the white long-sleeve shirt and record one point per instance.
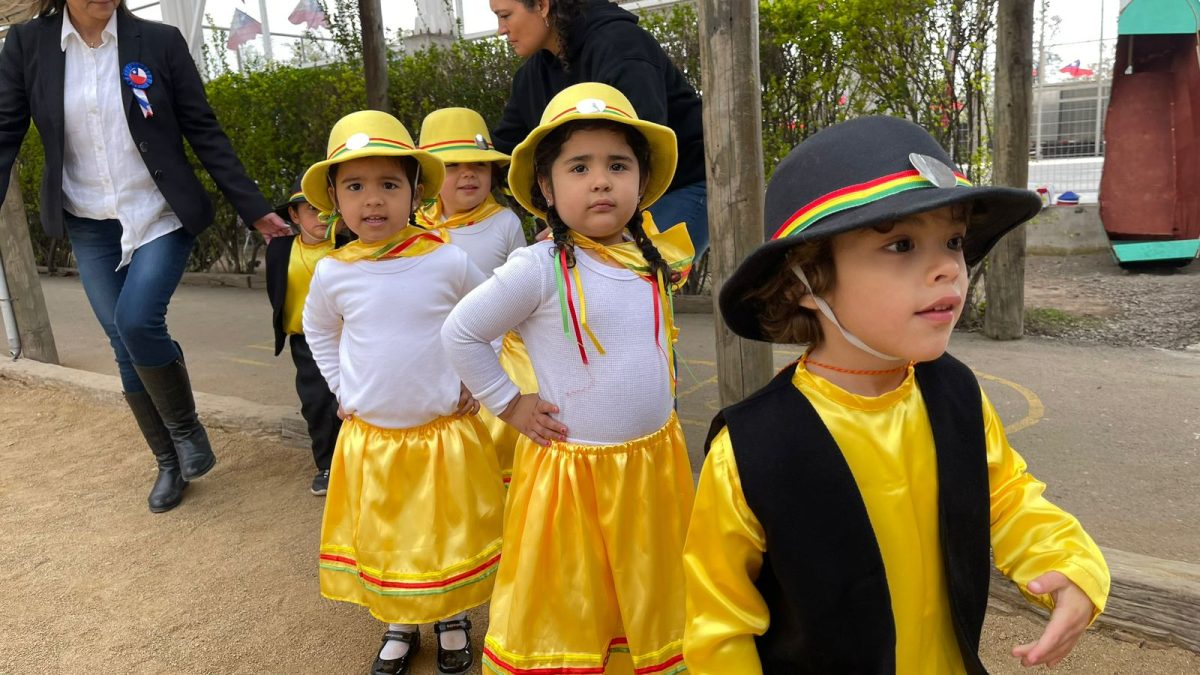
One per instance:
(619, 396)
(104, 176)
(373, 327)
(489, 242)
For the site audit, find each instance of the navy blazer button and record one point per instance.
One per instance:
(158, 174)
(144, 146)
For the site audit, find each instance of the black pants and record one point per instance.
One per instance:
(317, 404)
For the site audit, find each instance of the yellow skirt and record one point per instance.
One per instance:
(593, 559)
(412, 519)
(515, 360)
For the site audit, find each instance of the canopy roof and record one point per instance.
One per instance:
(1159, 17)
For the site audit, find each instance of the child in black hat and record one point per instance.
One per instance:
(290, 264)
(846, 511)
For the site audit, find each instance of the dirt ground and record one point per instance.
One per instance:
(226, 583)
(1088, 298)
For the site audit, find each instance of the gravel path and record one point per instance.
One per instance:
(1103, 303)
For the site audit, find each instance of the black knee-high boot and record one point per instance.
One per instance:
(168, 486)
(171, 391)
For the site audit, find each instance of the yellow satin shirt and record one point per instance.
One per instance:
(301, 263)
(888, 443)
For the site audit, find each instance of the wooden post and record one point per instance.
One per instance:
(20, 269)
(374, 54)
(734, 159)
(1004, 280)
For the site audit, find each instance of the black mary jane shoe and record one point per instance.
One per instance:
(401, 665)
(453, 661)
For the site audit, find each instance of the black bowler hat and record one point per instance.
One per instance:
(857, 174)
(296, 196)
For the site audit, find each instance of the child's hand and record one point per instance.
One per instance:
(342, 414)
(1072, 613)
(467, 405)
(531, 416)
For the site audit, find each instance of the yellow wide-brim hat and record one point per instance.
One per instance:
(594, 101)
(457, 135)
(369, 133)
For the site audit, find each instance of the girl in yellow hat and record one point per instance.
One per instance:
(591, 578)
(413, 514)
(467, 214)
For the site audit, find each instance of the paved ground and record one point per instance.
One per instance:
(1115, 431)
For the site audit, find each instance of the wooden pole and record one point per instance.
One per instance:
(374, 54)
(20, 269)
(1004, 281)
(734, 160)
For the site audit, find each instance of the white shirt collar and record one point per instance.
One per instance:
(68, 29)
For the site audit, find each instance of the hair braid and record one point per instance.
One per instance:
(562, 236)
(650, 251)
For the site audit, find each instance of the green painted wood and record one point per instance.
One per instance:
(1145, 251)
(1159, 17)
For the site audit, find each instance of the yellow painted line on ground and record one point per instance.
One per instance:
(1036, 411)
(248, 362)
(265, 348)
(694, 423)
(697, 387)
(699, 362)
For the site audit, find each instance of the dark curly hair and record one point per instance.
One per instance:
(543, 158)
(562, 14)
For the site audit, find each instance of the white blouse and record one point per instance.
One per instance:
(620, 395)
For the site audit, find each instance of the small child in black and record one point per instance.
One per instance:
(290, 264)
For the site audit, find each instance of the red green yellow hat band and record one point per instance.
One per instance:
(296, 197)
(357, 142)
(460, 144)
(854, 196)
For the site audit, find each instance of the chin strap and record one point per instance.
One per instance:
(828, 312)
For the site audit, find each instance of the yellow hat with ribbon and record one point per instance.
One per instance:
(594, 101)
(369, 133)
(458, 135)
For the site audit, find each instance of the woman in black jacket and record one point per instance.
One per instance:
(113, 97)
(566, 42)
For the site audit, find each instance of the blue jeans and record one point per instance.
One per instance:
(130, 303)
(688, 204)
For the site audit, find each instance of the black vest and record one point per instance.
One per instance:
(822, 576)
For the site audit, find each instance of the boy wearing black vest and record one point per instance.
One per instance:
(290, 264)
(846, 511)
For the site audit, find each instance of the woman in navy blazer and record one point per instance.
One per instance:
(112, 119)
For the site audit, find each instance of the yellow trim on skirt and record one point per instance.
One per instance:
(412, 519)
(514, 358)
(591, 578)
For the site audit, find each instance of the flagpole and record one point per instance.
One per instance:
(1100, 85)
(1041, 75)
(266, 28)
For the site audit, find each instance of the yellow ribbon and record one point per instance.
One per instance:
(408, 243)
(430, 217)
